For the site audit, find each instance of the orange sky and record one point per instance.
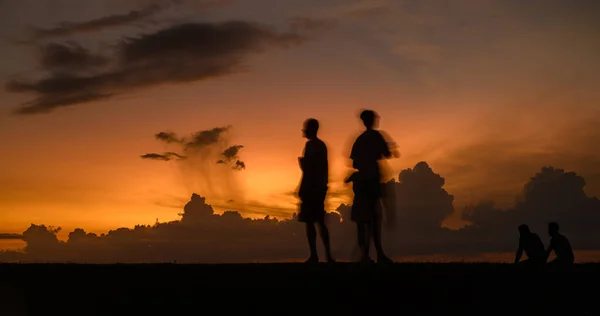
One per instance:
(487, 92)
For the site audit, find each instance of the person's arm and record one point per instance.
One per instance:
(354, 155)
(384, 148)
(309, 160)
(519, 253)
(550, 248)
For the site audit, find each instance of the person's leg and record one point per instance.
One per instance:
(367, 241)
(381, 257)
(325, 238)
(376, 223)
(363, 240)
(525, 262)
(311, 234)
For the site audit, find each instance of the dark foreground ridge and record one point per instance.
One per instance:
(296, 289)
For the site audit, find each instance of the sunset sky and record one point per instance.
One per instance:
(486, 91)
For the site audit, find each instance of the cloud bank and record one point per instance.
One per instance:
(420, 206)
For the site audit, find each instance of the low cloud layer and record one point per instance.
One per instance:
(10, 236)
(418, 197)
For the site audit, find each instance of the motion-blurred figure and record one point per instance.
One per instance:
(532, 244)
(313, 189)
(367, 150)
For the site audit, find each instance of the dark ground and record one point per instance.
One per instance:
(296, 289)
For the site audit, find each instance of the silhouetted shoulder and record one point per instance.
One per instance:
(315, 147)
(371, 144)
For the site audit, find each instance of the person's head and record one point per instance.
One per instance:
(524, 229)
(553, 228)
(369, 118)
(311, 127)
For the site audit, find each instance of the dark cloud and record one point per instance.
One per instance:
(231, 155)
(69, 56)
(239, 165)
(166, 156)
(48, 103)
(168, 137)
(177, 54)
(202, 139)
(201, 144)
(232, 152)
(115, 20)
(10, 236)
(421, 205)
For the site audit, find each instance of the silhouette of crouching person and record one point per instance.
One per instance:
(313, 190)
(561, 247)
(532, 245)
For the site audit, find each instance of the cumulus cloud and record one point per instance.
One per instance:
(176, 54)
(421, 205)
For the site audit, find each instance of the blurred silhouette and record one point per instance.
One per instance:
(532, 244)
(313, 189)
(367, 150)
(561, 247)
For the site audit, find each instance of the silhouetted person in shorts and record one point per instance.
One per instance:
(313, 189)
(367, 150)
(561, 247)
(532, 244)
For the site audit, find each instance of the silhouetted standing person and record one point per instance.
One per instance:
(561, 247)
(313, 189)
(367, 150)
(533, 246)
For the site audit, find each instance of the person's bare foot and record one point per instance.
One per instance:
(367, 260)
(384, 259)
(312, 260)
(330, 260)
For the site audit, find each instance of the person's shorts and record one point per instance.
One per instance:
(366, 210)
(312, 208)
(366, 206)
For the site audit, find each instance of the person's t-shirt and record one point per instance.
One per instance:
(533, 246)
(367, 150)
(562, 248)
(315, 169)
